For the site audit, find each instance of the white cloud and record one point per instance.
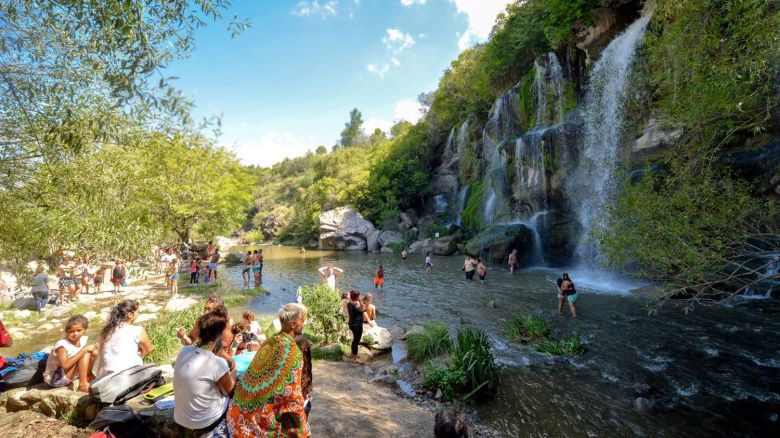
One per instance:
(273, 147)
(379, 71)
(397, 41)
(371, 124)
(481, 15)
(411, 2)
(308, 8)
(408, 109)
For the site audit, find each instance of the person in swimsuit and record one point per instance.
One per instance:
(369, 310)
(379, 279)
(513, 261)
(213, 264)
(566, 290)
(257, 267)
(66, 282)
(98, 280)
(329, 274)
(246, 268)
(481, 271)
(428, 263)
(403, 255)
(469, 266)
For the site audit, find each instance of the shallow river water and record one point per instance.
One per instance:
(713, 372)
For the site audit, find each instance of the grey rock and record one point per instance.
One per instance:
(367, 370)
(24, 303)
(386, 379)
(390, 237)
(439, 394)
(235, 258)
(492, 304)
(408, 218)
(643, 405)
(373, 240)
(421, 247)
(446, 245)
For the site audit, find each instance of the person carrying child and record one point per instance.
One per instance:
(71, 356)
(379, 279)
(244, 338)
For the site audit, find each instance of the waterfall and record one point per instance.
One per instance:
(439, 204)
(534, 223)
(548, 82)
(763, 289)
(604, 117)
(462, 197)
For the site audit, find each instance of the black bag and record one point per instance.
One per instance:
(119, 387)
(54, 298)
(121, 421)
(27, 374)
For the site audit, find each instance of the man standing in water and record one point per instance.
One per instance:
(513, 261)
(329, 274)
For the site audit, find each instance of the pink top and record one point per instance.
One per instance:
(193, 267)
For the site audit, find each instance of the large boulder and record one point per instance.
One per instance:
(408, 218)
(495, 242)
(372, 241)
(653, 142)
(390, 237)
(383, 340)
(421, 247)
(225, 243)
(344, 228)
(235, 258)
(24, 303)
(446, 245)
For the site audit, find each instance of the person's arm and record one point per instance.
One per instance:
(67, 362)
(226, 383)
(185, 338)
(322, 271)
(5, 338)
(144, 343)
(339, 270)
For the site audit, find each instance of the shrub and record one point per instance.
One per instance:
(527, 325)
(367, 340)
(325, 317)
(439, 375)
(254, 236)
(572, 346)
(433, 341)
(473, 363)
(397, 247)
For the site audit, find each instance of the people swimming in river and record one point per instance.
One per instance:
(329, 274)
(72, 356)
(567, 292)
(512, 261)
(481, 271)
(469, 266)
(379, 278)
(428, 263)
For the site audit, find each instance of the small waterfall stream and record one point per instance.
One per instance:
(592, 188)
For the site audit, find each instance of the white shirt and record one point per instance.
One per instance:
(53, 361)
(199, 402)
(254, 327)
(120, 351)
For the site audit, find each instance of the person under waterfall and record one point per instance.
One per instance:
(513, 261)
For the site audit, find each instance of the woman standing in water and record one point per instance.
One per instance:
(567, 292)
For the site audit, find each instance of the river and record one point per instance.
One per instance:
(712, 372)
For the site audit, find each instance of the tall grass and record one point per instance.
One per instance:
(162, 333)
(433, 341)
(473, 358)
(572, 346)
(527, 325)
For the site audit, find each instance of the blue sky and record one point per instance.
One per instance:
(288, 83)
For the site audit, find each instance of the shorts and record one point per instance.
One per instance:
(482, 277)
(470, 275)
(175, 276)
(58, 378)
(66, 282)
(379, 281)
(98, 281)
(257, 268)
(428, 265)
(212, 266)
(561, 297)
(246, 269)
(573, 298)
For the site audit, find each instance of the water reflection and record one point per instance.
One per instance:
(713, 372)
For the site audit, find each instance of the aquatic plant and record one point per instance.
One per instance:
(527, 325)
(433, 341)
(572, 346)
(473, 359)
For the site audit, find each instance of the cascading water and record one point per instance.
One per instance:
(462, 197)
(593, 186)
(769, 280)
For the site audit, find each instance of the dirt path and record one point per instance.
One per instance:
(33, 424)
(345, 403)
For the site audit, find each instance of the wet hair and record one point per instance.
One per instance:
(210, 326)
(117, 316)
(566, 277)
(353, 294)
(448, 424)
(368, 297)
(240, 327)
(344, 295)
(248, 315)
(559, 281)
(77, 319)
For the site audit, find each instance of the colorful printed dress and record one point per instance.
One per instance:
(268, 400)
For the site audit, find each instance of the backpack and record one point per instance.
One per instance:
(116, 388)
(26, 371)
(119, 422)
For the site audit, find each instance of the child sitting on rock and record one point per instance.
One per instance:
(71, 356)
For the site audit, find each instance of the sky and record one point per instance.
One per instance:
(287, 84)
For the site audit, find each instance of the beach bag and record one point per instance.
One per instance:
(23, 371)
(117, 388)
(119, 422)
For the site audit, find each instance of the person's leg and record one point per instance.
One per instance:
(72, 293)
(560, 304)
(83, 370)
(572, 309)
(357, 334)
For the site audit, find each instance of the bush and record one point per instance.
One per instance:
(473, 360)
(439, 375)
(572, 346)
(325, 317)
(367, 340)
(254, 236)
(433, 341)
(527, 325)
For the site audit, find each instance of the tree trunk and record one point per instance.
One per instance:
(184, 234)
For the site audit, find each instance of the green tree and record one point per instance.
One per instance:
(400, 128)
(351, 134)
(377, 136)
(321, 150)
